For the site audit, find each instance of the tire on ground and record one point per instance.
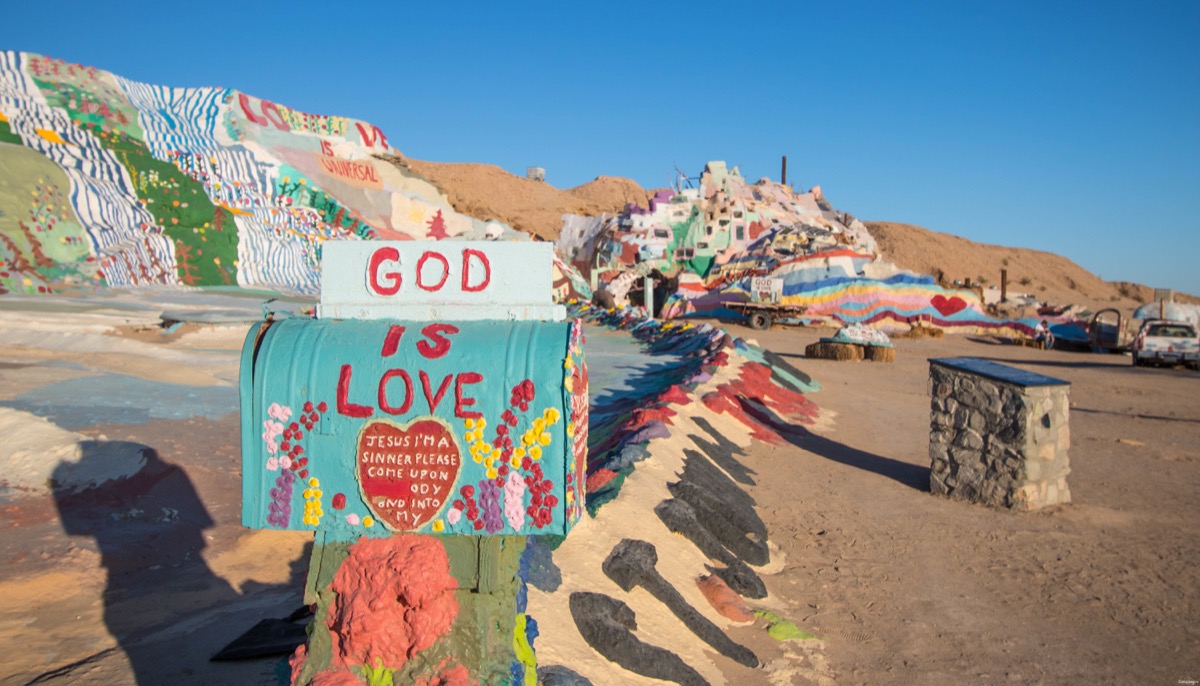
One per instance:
(760, 321)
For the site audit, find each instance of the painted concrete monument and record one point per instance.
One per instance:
(422, 450)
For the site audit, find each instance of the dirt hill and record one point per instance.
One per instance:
(1048, 277)
(485, 191)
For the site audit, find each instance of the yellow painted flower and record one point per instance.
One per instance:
(368, 521)
(536, 452)
(438, 525)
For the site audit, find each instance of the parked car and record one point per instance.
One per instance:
(1166, 342)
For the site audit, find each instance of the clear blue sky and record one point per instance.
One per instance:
(1072, 127)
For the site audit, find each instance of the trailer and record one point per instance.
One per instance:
(764, 307)
(762, 315)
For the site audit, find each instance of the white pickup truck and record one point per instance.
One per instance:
(1166, 342)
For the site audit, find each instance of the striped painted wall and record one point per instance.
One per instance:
(188, 186)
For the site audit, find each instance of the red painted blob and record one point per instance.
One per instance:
(395, 598)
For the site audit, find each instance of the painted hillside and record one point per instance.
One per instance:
(708, 243)
(109, 181)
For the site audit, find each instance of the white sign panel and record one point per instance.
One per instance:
(766, 286)
(446, 280)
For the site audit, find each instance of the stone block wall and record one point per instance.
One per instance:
(998, 435)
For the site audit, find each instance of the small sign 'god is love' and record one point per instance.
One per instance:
(407, 472)
(467, 417)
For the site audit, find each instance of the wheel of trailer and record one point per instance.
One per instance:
(760, 321)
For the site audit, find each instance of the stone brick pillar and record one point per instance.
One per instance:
(998, 435)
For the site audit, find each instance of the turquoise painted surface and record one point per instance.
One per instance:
(365, 427)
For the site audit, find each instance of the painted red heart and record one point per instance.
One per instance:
(407, 472)
(947, 306)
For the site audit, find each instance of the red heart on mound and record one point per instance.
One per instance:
(947, 306)
(407, 472)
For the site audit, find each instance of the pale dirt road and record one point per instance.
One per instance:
(910, 588)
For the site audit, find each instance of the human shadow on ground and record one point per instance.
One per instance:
(149, 531)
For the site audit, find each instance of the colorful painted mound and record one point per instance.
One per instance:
(664, 580)
(104, 180)
(705, 246)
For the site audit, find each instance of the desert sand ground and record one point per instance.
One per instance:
(910, 588)
(139, 581)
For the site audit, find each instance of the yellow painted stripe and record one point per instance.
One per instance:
(50, 136)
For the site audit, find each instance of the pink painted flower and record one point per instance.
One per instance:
(280, 412)
(285, 462)
(272, 464)
(453, 515)
(352, 519)
(514, 501)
